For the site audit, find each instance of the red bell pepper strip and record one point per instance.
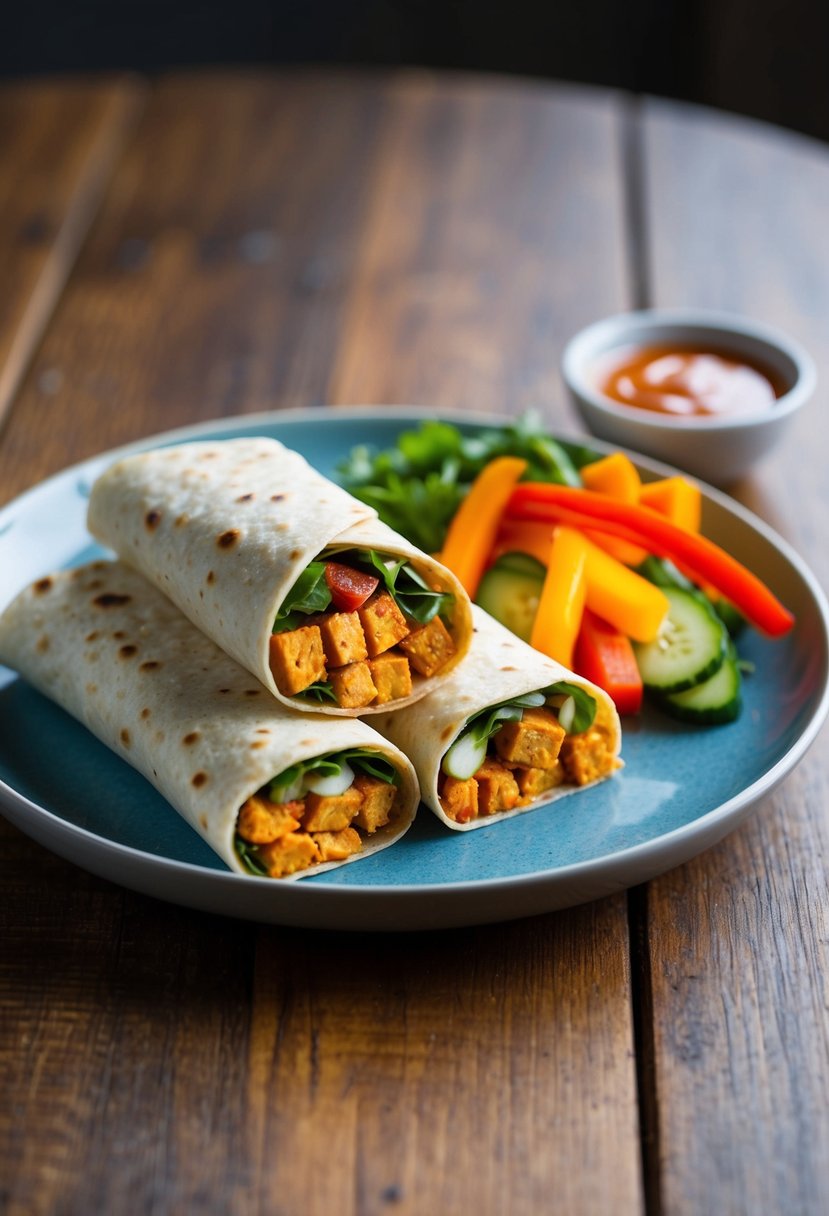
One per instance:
(606, 657)
(703, 561)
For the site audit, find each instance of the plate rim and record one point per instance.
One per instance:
(724, 816)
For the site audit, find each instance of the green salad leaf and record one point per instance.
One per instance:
(309, 594)
(249, 856)
(413, 596)
(288, 783)
(417, 486)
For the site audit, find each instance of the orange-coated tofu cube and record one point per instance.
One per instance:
(336, 846)
(383, 623)
(262, 821)
(534, 742)
(533, 782)
(290, 853)
(429, 648)
(331, 812)
(343, 639)
(378, 802)
(588, 756)
(297, 659)
(392, 677)
(459, 799)
(353, 685)
(497, 788)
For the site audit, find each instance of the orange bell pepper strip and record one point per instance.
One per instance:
(605, 656)
(705, 561)
(534, 539)
(675, 497)
(620, 596)
(617, 476)
(561, 604)
(472, 531)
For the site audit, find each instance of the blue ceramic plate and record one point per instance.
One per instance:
(682, 788)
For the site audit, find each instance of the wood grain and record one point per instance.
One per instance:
(737, 942)
(173, 1062)
(496, 231)
(59, 142)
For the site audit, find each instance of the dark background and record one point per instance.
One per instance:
(766, 58)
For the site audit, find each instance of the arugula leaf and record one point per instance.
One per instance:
(249, 856)
(410, 592)
(321, 691)
(309, 594)
(417, 486)
(291, 779)
(584, 704)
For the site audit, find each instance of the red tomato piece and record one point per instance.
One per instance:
(349, 588)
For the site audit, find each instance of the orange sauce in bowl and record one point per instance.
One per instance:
(688, 382)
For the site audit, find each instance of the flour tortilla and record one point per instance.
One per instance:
(225, 528)
(115, 653)
(499, 666)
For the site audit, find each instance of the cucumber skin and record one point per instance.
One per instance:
(507, 590)
(690, 706)
(703, 609)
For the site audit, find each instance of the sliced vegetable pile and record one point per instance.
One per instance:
(608, 575)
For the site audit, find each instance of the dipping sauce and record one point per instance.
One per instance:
(688, 381)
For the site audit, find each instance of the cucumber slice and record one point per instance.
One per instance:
(510, 591)
(716, 700)
(465, 756)
(333, 785)
(692, 645)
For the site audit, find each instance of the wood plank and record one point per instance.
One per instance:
(496, 232)
(59, 143)
(491, 1069)
(737, 943)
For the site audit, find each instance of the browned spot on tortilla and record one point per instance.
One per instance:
(203, 821)
(94, 585)
(150, 665)
(258, 743)
(151, 520)
(159, 736)
(192, 738)
(43, 585)
(126, 652)
(446, 733)
(201, 594)
(198, 779)
(90, 637)
(91, 688)
(226, 540)
(118, 634)
(252, 692)
(263, 730)
(125, 737)
(208, 455)
(181, 520)
(211, 577)
(92, 656)
(99, 565)
(277, 497)
(282, 527)
(42, 644)
(294, 554)
(110, 600)
(509, 669)
(245, 498)
(145, 713)
(224, 690)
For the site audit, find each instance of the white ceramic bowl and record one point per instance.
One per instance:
(717, 449)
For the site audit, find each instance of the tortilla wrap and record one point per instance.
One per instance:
(499, 666)
(225, 529)
(106, 646)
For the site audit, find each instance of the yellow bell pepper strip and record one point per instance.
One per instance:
(620, 596)
(617, 476)
(471, 533)
(606, 657)
(560, 607)
(675, 497)
(705, 561)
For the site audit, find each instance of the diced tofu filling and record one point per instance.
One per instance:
(525, 760)
(285, 837)
(369, 656)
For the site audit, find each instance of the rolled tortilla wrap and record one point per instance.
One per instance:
(226, 528)
(115, 653)
(535, 765)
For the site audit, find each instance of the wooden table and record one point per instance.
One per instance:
(215, 245)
